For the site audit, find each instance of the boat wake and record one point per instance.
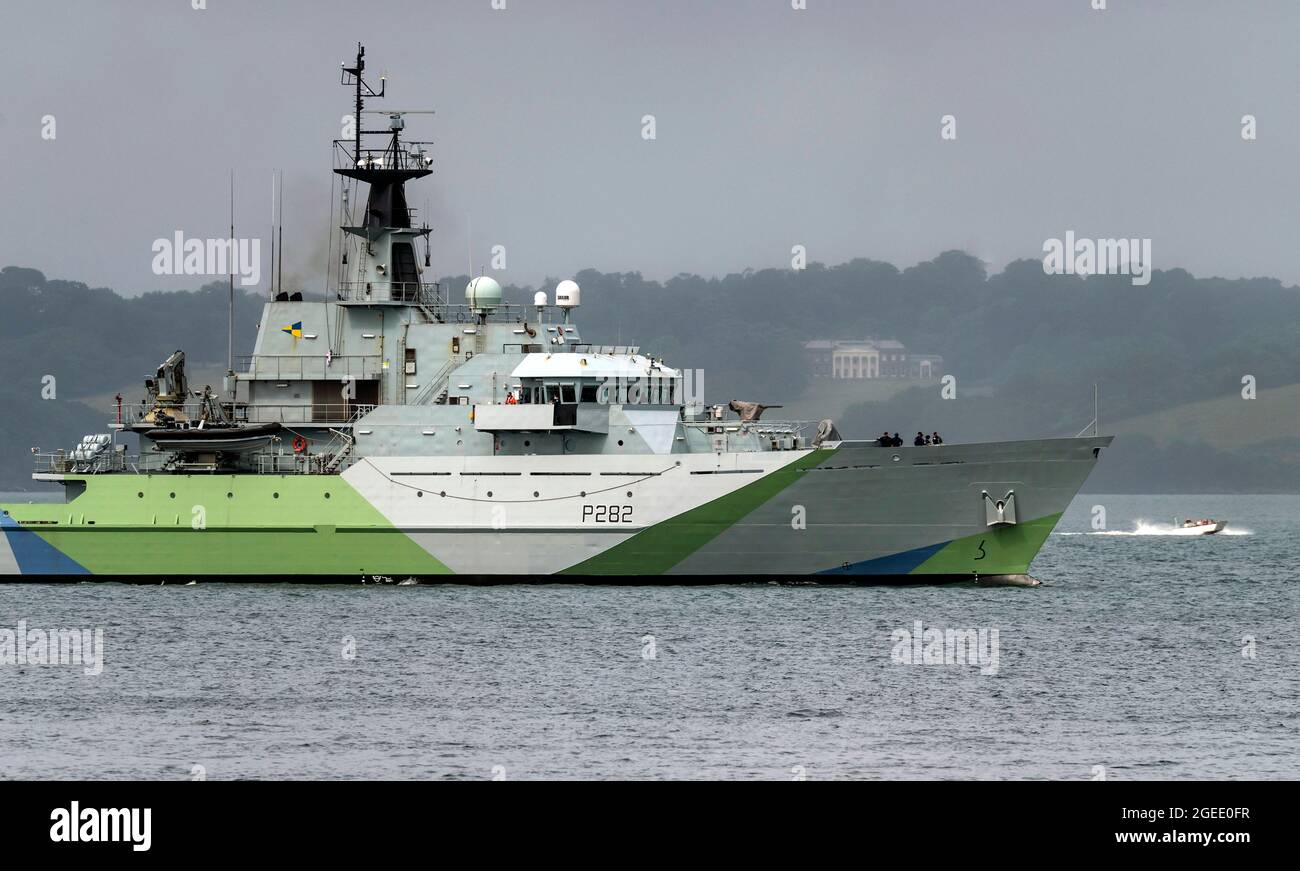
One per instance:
(1149, 527)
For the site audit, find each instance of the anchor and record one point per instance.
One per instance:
(999, 512)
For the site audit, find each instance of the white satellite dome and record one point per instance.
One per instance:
(483, 293)
(539, 298)
(567, 294)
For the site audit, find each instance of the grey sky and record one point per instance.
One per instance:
(775, 127)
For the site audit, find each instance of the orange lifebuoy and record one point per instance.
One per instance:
(299, 444)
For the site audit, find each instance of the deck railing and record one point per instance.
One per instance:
(341, 367)
(328, 413)
(333, 413)
(379, 290)
(431, 298)
(62, 463)
(780, 434)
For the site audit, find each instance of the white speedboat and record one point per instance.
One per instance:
(1204, 526)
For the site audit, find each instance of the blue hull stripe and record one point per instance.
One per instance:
(34, 554)
(894, 564)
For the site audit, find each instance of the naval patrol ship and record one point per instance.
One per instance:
(393, 432)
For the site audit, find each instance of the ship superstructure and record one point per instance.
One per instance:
(394, 430)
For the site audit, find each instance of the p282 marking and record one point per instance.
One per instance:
(607, 513)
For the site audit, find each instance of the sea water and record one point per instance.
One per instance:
(1143, 656)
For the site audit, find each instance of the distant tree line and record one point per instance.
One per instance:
(1024, 347)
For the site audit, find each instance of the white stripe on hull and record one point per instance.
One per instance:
(661, 487)
(489, 552)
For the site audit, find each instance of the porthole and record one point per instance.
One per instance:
(527, 443)
(275, 495)
(140, 494)
(327, 494)
(443, 493)
(489, 494)
(629, 494)
(897, 458)
(172, 495)
(620, 443)
(419, 494)
(536, 494)
(583, 494)
(230, 495)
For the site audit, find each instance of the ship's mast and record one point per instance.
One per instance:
(230, 325)
(385, 270)
(360, 82)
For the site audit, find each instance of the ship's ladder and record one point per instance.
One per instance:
(434, 392)
(344, 450)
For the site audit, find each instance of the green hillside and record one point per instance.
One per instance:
(1226, 423)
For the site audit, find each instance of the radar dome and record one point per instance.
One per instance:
(567, 294)
(539, 298)
(483, 293)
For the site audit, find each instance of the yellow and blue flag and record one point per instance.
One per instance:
(294, 330)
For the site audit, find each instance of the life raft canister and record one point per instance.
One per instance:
(299, 444)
